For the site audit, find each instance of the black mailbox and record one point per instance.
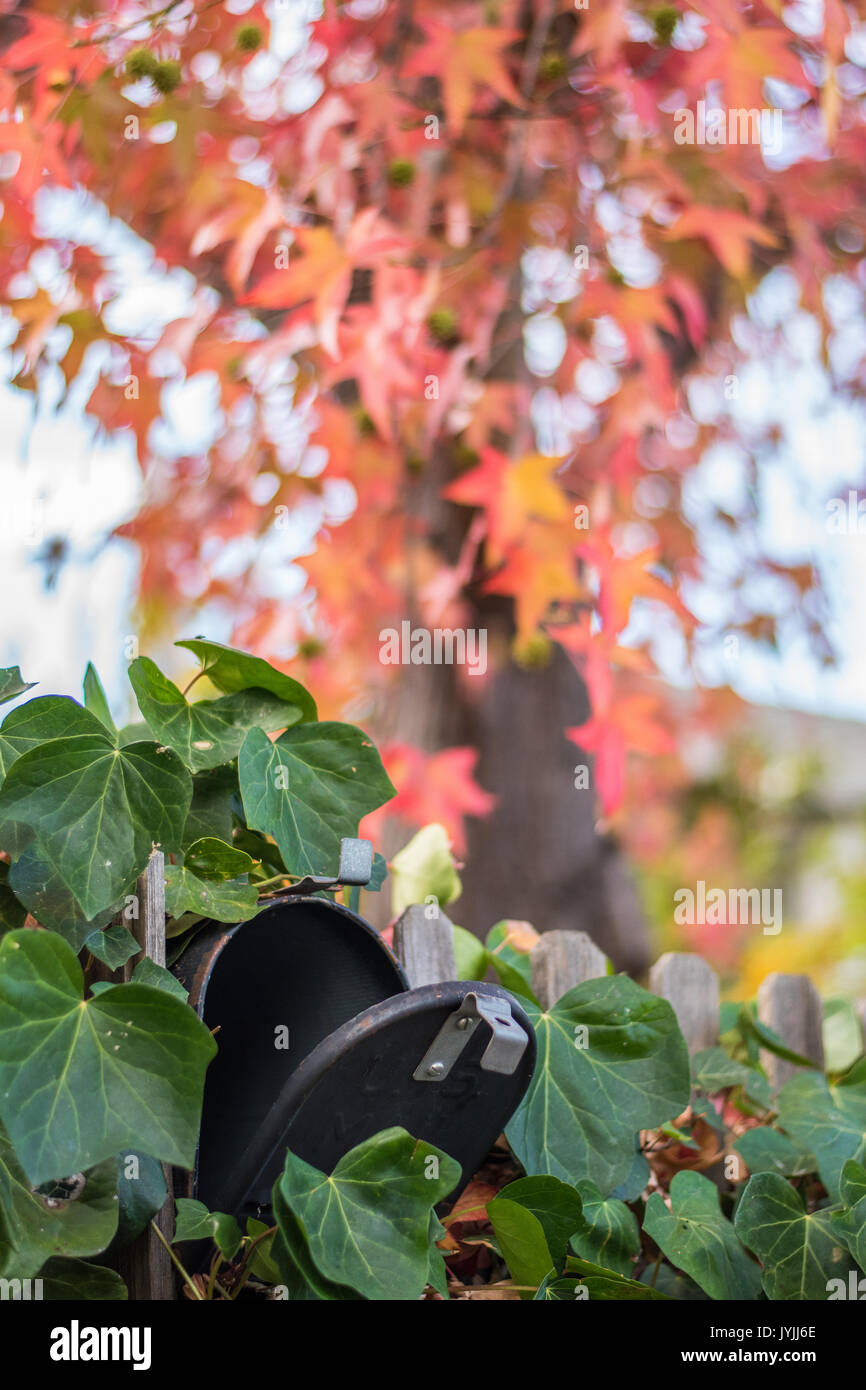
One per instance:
(322, 1044)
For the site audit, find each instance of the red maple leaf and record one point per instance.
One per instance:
(464, 59)
(432, 787)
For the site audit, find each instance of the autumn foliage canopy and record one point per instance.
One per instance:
(450, 277)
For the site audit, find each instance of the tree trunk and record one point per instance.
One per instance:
(537, 856)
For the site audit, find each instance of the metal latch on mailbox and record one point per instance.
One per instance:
(503, 1052)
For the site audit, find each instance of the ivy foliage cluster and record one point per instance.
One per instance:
(617, 1185)
(630, 1171)
(103, 1080)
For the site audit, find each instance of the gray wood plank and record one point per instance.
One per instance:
(791, 1006)
(148, 927)
(561, 960)
(145, 1265)
(691, 987)
(424, 946)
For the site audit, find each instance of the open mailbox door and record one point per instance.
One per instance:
(322, 1044)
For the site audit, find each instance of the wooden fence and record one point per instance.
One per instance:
(789, 1004)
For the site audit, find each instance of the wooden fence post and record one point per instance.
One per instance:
(145, 1265)
(424, 946)
(148, 927)
(561, 960)
(691, 987)
(791, 1006)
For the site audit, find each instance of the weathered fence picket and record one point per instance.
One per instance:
(145, 1264)
(791, 1006)
(424, 946)
(691, 987)
(561, 960)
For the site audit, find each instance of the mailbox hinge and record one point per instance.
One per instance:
(503, 1052)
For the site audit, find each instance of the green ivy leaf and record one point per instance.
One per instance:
(850, 1224)
(512, 966)
(82, 1079)
(604, 1285)
(147, 972)
(367, 1224)
(608, 1233)
(141, 1193)
(261, 1262)
(195, 1222)
(849, 1092)
(680, 1135)
(769, 1039)
(46, 717)
(33, 1227)
(12, 912)
(95, 698)
(636, 1179)
(298, 1271)
(73, 1281)
(97, 809)
(470, 954)
(437, 1272)
(11, 683)
(138, 732)
(555, 1205)
(27, 727)
(209, 732)
(114, 946)
(673, 1284)
(43, 892)
(225, 902)
(767, 1150)
(230, 670)
(378, 874)
(703, 1109)
(800, 1251)
(698, 1239)
(260, 848)
(826, 1121)
(842, 1034)
(522, 1243)
(585, 1103)
(210, 813)
(424, 868)
(309, 789)
(216, 859)
(714, 1070)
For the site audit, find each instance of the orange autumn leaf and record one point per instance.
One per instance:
(511, 493)
(522, 936)
(726, 232)
(243, 220)
(323, 270)
(602, 29)
(623, 578)
(432, 787)
(463, 60)
(471, 1205)
(836, 29)
(742, 56)
(540, 571)
(666, 1160)
(628, 725)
